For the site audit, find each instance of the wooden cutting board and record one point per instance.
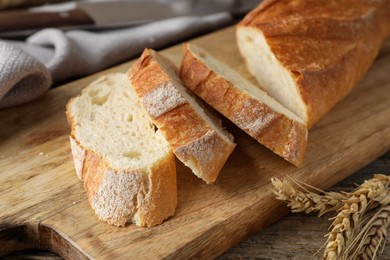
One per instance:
(42, 202)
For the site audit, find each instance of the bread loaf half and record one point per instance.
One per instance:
(245, 104)
(127, 167)
(196, 137)
(309, 54)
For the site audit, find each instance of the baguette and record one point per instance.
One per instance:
(309, 54)
(244, 104)
(127, 167)
(196, 137)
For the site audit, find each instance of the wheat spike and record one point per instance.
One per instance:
(376, 189)
(370, 241)
(343, 226)
(348, 226)
(347, 221)
(306, 201)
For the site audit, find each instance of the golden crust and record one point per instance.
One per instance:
(145, 197)
(327, 46)
(118, 195)
(280, 134)
(194, 141)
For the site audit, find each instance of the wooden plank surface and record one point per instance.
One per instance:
(294, 236)
(301, 236)
(42, 202)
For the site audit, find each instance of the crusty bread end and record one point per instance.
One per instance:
(309, 54)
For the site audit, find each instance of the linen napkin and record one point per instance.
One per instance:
(26, 68)
(22, 77)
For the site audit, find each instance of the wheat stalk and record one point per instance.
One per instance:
(300, 201)
(351, 206)
(346, 222)
(372, 237)
(376, 189)
(342, 228)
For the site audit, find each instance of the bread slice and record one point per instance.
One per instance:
(309, 54)
(245, 104)
(127, 167)
(196, 137)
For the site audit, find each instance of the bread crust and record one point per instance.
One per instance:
(326, 46)
(282, 135)
(145, 197)
(193, 140)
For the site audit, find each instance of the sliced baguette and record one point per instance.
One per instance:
(196, 137)
(309, 54)
(244, 104)
(127, 167)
